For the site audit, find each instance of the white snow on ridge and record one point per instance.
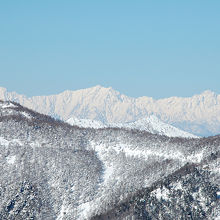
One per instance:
(6, 105)
(151, 124)
(7, 109)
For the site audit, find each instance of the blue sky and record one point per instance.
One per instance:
(153, 48)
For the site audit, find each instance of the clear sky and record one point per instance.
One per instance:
(153, 48)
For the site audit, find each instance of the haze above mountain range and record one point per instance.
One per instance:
(199, 114)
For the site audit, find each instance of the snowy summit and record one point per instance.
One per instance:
(150, 124)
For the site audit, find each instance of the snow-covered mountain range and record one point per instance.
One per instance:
(199, 114)
(52, 170)
(150, 124)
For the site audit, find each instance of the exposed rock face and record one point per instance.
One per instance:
(199, 114)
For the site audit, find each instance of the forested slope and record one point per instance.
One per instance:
(51, 170)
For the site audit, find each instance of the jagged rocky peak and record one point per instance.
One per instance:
(208, 93)
(96, 95)
(105, 93)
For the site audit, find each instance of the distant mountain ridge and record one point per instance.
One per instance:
(150, 124)
(199, 114)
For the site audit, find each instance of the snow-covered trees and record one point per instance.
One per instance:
(49, 170)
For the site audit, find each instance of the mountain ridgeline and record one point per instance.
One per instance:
(199, 114)
(150, 124)
(52, 170)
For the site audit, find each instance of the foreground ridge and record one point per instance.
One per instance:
(52, 170)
